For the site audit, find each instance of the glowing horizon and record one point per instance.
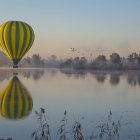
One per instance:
(89, 26)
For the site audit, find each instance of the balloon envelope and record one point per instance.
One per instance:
(16, 38)
(15, 101)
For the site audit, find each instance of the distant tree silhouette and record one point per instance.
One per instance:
(115, 58)
(53, 57)
(134, 58)
(4, 60)
(67, 64)
(80, 63)
(100, 61)
(132, 62)
(28, 60)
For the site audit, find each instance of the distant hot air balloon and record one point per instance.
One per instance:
(15, 101)
(16, 38)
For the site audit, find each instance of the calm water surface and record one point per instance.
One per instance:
(87, 97)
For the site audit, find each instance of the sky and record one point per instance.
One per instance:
(92, 27)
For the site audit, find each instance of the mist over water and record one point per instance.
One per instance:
(87, 96)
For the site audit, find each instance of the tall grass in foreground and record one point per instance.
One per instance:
(109, 130)
(43, 132)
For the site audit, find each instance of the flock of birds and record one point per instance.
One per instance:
(75, 50)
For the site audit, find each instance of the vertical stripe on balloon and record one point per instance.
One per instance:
(15, 100)
(16, 38)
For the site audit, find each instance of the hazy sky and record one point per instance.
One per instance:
(90, 26)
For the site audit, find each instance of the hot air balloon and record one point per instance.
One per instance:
(16, 38)
(15, 101)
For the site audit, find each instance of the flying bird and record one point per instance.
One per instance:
(73, 49)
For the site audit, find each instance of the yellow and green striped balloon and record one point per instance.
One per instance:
(15, 101)
(16, 38)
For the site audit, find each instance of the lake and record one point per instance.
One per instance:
(68, 103)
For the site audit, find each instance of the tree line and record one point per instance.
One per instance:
(115, 61)
(101, 62)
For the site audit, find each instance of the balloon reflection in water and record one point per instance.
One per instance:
(15, 100)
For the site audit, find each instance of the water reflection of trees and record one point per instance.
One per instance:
(76, 73)
(100, 77)
(133, 79)
(5, 74)
(36, 74)
(114, 78)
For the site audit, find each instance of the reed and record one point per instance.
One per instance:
(106, 130)
(43, 132)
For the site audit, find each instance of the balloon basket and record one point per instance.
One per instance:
(15, 73)
(15, 70)
(15, 66)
